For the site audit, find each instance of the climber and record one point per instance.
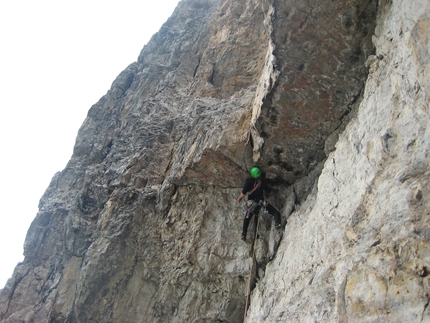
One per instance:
(255, 187)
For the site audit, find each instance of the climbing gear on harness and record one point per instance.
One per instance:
(264, 209)
(251, 205)
(255, 172)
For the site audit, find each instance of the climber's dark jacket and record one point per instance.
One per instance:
(258, 193)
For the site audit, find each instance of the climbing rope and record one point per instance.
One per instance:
(257, 220)
(253, 268)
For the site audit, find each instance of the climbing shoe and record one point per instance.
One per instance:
(278, 226)
(243, 237)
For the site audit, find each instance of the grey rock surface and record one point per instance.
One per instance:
(358, 249)
(143, 224)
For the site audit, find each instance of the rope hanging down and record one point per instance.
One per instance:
(253, 268)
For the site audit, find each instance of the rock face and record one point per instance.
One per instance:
(143, 224)
(358, 249)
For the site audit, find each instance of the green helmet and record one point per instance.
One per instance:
(255, 172)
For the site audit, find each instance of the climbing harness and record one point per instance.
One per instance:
(251, 205)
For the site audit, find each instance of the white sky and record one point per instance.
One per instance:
(57, 58)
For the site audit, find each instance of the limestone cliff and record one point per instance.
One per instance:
(358, 249)
(143, 225)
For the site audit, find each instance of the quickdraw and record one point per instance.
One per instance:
(251, 205)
